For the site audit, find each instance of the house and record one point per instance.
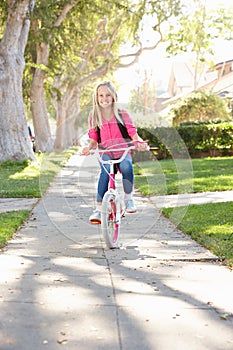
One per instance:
(181, 82)
(223, 85)
(181, 79)
(224, 68)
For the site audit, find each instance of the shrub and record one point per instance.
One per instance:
(200, 106)
(214, 138)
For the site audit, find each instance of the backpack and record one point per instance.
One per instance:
(121, 126)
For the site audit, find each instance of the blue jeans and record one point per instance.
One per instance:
(126, 169)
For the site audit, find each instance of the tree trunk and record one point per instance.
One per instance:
(14, 137)
(60, 129)
(72, 116)
(44, 142)
(64, 132)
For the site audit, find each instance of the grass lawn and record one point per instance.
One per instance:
(184, 175)
(26, 180)
(210, 224)
(31, 179)
(10, 222)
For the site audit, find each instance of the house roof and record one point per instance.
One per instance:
(222, 86)
(223, 63)
(182, 73)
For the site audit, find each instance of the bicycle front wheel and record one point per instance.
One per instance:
(109, 223)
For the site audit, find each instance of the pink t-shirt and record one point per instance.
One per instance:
(110, 133)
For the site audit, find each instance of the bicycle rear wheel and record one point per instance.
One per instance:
(109, 223)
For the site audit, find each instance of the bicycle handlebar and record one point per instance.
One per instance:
(98, 151)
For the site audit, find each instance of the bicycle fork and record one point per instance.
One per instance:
(112, 189)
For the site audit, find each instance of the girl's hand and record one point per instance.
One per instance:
(142, 146)
(85, 151)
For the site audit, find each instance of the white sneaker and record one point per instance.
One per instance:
(130, 206)
(95, 218)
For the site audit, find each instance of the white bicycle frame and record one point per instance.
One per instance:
(112, 212)
(112, 190)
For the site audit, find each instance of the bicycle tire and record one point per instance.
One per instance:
(109, 224)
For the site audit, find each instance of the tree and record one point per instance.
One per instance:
(143, 97)
(58, 43)
(14, 137)
(48, 17)
(194, 32)
(200, 106)
(101, 51)
(88, 48)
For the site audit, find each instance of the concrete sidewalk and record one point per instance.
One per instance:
(10, 204)
(192, 198)
(166, 201)
(59, 286)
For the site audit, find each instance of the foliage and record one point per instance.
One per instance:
(195, 30)
(223, 20)
(188, 140)
(209, 137)
(71, 45)
(71, 40)
(211, 226)
(192, 31)
(200, 106)
(3, 16)
(166, 139)
(87, 42)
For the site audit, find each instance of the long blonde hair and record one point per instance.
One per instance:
(96, 112)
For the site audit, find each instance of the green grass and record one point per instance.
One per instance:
(10, 222)
(181, 175)
(30, 179)
(211, 225)
(26, 180)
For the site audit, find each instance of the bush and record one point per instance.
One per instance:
(200, 106)
(213, 138)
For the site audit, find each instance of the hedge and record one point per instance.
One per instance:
(195, 140)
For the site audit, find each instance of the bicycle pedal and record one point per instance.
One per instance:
(95, 222)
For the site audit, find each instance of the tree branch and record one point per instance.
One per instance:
(64, 12)
(101, 28)
(138, 53)
(24, 37)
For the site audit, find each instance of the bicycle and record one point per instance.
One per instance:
(112, 205)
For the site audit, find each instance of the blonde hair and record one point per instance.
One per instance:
(96, 112)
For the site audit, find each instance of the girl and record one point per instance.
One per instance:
(105, 132)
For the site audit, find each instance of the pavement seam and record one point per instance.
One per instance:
(115, 302)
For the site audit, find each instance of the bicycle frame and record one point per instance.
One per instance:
(111, 212)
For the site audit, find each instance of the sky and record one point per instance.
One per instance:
(160, 66)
